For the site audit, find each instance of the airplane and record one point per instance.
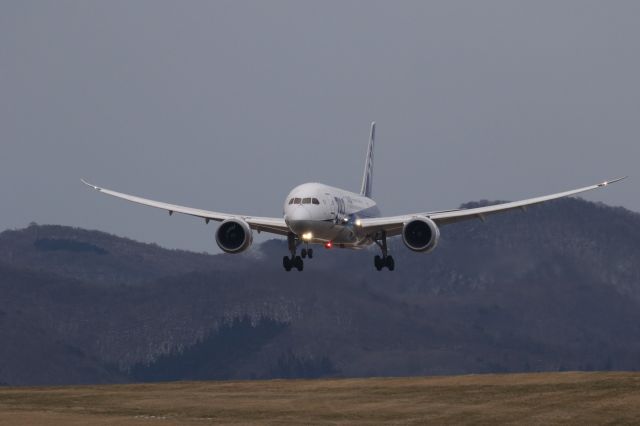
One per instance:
(323, 215)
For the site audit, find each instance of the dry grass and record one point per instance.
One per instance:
(573, 398)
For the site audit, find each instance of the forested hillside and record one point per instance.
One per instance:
(555, 288)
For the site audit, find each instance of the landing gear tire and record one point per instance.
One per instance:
(286, 262)
(289, 264)
(306, 253)
(384, 262)
(390, 263)
(377, 261)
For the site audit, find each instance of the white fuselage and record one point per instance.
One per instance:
(319, 213)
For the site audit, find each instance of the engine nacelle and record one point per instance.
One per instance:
(234, 236)
(421, 234)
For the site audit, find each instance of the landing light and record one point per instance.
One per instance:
(358, 222)
(307, 236)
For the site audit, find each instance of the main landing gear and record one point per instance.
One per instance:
(295, 261)
(288, 263)
(386, 260)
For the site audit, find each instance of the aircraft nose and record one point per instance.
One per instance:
(299, 220)
(298, 214)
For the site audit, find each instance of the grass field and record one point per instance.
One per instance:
(573, 398)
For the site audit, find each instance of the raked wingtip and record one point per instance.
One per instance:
(607, 182)
(88, 184)
(618, 179)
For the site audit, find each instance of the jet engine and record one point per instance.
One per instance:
(421, 234)
(234, 236)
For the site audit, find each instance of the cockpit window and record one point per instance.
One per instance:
(291, 201)
(315, 201)
(296, 201)
(306, 201)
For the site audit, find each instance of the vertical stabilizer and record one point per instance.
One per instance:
(368, 165)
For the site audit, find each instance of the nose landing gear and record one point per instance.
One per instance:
(386, 260)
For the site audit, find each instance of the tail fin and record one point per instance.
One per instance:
(368, 165)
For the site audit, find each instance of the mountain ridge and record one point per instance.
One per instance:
(555, 288)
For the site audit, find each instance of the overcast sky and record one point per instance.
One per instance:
(228, 105)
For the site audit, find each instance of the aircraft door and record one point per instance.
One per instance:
(339, 207)
(333, 208)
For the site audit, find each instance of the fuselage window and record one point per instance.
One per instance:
(315, 201)
(291, 201)
(306, 201)
(296, 201)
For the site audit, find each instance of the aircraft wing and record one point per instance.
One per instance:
(272, 225)
(393, 225)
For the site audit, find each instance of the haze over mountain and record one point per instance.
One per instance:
(557, 288)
